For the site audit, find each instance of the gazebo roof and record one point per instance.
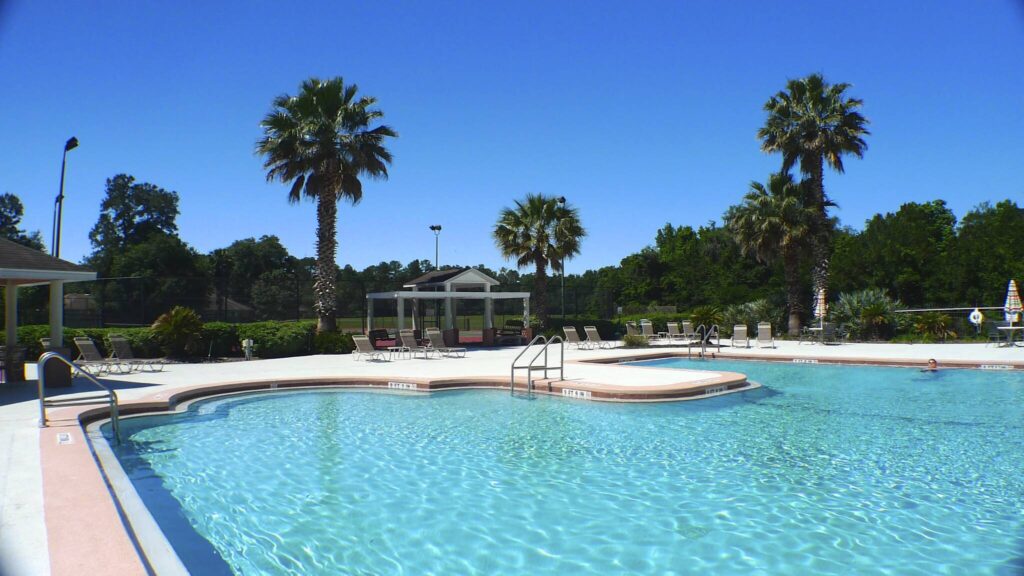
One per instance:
(467, 276)
(24, 265)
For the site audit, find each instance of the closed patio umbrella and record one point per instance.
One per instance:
(821, 306)
(1012, 308)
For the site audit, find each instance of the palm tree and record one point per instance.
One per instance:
(812, 123)
(777, 222)
(322, 142)
(540, 230)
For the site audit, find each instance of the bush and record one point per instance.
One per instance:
(220, 339)
(143, 342)
(750, 313)
(280, 339)
(635, 341)
(333, 343)
(179, 330)
(706, 315)
(934, 325)
(867, 314)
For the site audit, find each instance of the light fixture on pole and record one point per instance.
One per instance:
(436, 228)
(58, 203)
(561, 203)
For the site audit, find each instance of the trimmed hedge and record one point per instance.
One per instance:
(219, 339)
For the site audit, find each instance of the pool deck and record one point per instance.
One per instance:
(83, 532)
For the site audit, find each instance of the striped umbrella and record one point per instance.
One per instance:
(821, 305)
(1012, 308)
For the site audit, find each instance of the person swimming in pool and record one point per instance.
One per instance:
(933, 366)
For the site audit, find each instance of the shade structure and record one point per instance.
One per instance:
(820, 305)
(1012, 307)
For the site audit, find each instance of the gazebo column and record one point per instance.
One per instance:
(11, 313)
(401, 312)
(449, 313)
(415, 312)
(526, 312)
(56, 313)
(488, 309)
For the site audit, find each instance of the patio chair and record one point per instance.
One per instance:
(412, 345)
(647, 329)
(365, 348)
(631, 329)
(764, 335)
(995, 335)
(674, 333)
(122, 350)
(689, 333)
(572, 338)
(89, 358)
(438, 345)
(739, 334)
(594, 339)
(829, 334)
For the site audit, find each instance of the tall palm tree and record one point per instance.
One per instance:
(777, 222)
(322, 141)
(541, 231)
(814, 123)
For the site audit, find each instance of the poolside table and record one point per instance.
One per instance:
(1010, 331)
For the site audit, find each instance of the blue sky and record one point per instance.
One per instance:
(640, 113)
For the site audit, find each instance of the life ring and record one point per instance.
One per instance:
(976, 317)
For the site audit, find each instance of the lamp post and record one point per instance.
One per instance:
(58, 203)
(561, 203)
(436, 228)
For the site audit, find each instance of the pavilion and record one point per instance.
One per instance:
(22, 266)
(448, 286)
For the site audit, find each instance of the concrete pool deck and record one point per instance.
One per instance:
(32, 463)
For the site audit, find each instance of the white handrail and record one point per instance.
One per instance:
(111, 394)
(530, 366)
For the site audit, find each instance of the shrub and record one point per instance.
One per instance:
(935, 325)
(280, 339)
(333, 343)
(635, 341)
(179, 330)
(750, 313)
(221, 339)
(706, 315)
(143, 342)
(869, 313)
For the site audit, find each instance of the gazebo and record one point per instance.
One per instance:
(448, 286)
(23, 266)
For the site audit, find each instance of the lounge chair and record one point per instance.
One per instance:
(739, 334)
(122, 350)
(674, 333)
(89, 358)
(572, 338)
(438, 345)
(647, 329)
(594, 339)
(365, 348)
(764, 335)
(631, 329)
(412, 345)
(689, 333)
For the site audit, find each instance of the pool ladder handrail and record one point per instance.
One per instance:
(530, 366)
(705, 334)
(110, 396)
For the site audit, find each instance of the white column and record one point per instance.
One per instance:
(449, 312)
(11, 313)
(488, 309)
(56, 313)
(369, 314)
(415, 312)
(401, 312)
(526, 312)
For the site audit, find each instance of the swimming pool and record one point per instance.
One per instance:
(826, 469)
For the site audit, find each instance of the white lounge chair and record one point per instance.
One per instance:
(594, 339)
(411, 345)
(647, 329)
(764, 335)
(89, 358)
(122, 351)
(739, 334)
(631, 329)
(572, 338)
(437, 343)
(365, 348)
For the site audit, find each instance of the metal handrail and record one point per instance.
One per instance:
(530, 366)
(111, 394)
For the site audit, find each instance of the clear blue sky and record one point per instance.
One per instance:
(640, 113)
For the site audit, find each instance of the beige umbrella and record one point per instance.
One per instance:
(820, 306)
(1012, 307)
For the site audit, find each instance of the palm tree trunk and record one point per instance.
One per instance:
(791, 270)
(324, 286)
(821, 249)
(540, 291)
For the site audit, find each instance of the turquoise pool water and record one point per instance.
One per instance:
(824, 470)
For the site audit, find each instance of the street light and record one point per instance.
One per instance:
(437, 232)
(561, 202)
(58, 203)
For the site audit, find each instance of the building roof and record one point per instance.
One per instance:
(26, 265)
